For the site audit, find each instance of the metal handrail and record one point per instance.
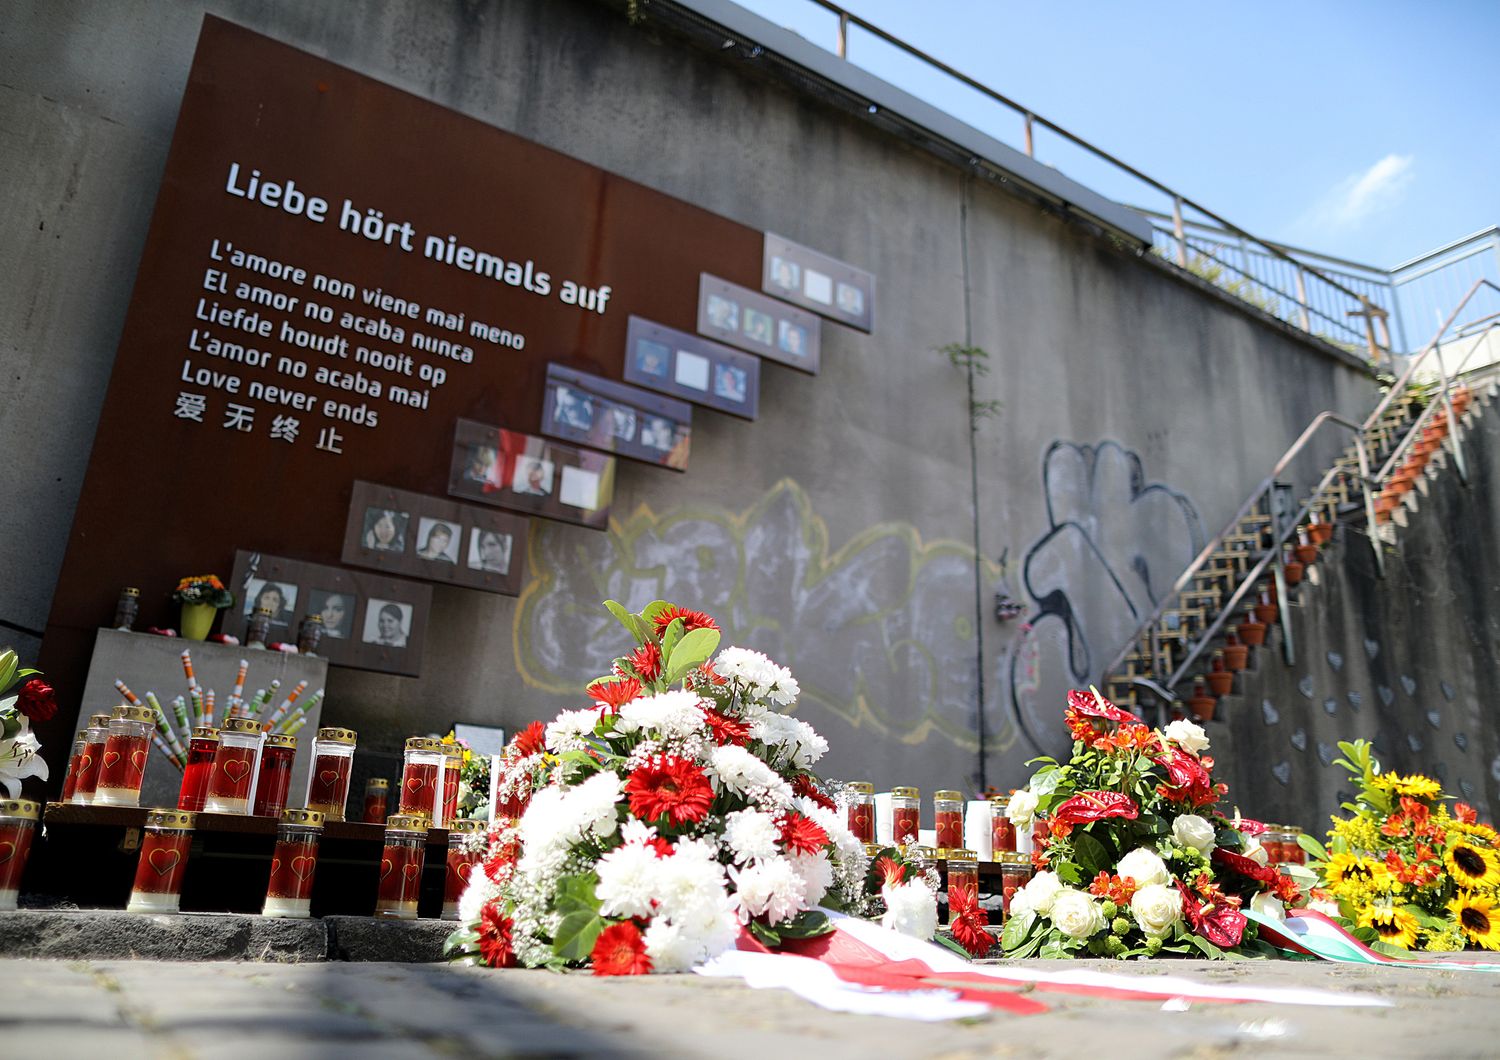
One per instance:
(1031, 119)
(1399, 452)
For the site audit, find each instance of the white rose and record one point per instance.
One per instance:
(1268, 905)
(1191, 738)
(1022, 809)
(1156, 908)
(1254, 851)
(1190, 830)
(1037, 895)
(1144, 867)
(1075, 914)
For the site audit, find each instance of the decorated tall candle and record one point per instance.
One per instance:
(70, 782)
(466, 843)
(963, 878)
(1015, 873)
(401, 865)
(126, 748)
(860, 810)
(295, 860)
(234, 767)
(1002, 828)
(17, 828)
(419, 777)
(453, 763)
(164, 854)
(286, 704)
(377, 792)
(92, 760)
(948, 819)
(328, 780)
(905, 814)
(200, 765)
(275, 773)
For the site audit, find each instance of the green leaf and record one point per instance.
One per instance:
(1054, 949)
(1091, 855)
(692, 651)
(8, 662)
(577, 934)
(948, 942)
(808, 924)
(763, 934)
(576, 894)
(1312, 846)
(1209, 949)
(624, 617)
(669, 638)
(1067, 871)
(651, 610)
(1017, 928)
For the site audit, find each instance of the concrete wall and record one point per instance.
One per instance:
(838, 532)
(1409, 661)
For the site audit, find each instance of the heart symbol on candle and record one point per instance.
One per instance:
(303, 866)
(163, 860)
(7, 851)
(236, 769)
(138, 759)
(465, 870)
(110, 758)
(328, 776)
(275, 867)
(385, 868)
(413, 783)
(411, 870)
(85, 763)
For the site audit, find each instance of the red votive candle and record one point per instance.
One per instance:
(377, 792)
(963, 877)
(948, 819)
(861, 811)
(401, 866)
(164, 855)
(275, 774)
(465, 850)
(293, 863)
(234, 767)
(328, 780)
(17, 828)
(419, 778)
(123, 765)
(1015, 873)
(905, 815)
(453, 764)
(92, 760)
(200, 764)
(70, 781)
(1002, 828)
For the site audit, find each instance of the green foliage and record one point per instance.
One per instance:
(976, 361)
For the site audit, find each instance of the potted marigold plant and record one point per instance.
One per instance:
(202, 597)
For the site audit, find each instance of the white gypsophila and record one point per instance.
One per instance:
(1268, 905)
(1187, 735)
(630, 879)
(1144, 867)
(1022, 809)
(770, 888)
(1255, 852)
(1190, 830)
(1076, 914)
(1037, 895)
(817, 876)
(674, 715)
(1156, 908)
(751, 834)
(910, 908)
(566, 731)
(481, 890)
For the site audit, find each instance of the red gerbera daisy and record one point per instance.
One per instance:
(966, 921)
(691, 620)
(726, 730)
(531, 740)
(801, 835)
(646, 661)
(804, 785)
(669, 787)
(620, 950)
(890, 871)
(494, 936)
(614, 692)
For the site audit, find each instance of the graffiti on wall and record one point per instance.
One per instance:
(880, 632)
(1113, 547)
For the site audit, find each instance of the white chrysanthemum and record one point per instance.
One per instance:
(543, 825)
(739, 770)
(757, 675)
(595, 804)
(797, 739)
(817, 876)
(630, 878)
(910, 908)
(675, 715)
(635, 830)
(770, 888)
(566, 731)
(692, 935)
(751, 834)
(691, 873)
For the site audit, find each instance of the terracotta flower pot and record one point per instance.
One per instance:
(1203, 707)
(1293, 571)
(1236, 657)
(1252, 633)
(1461, 398)
(1267, 613)
(1319, 534)
(1386, 501)
(1306, 553)
(1220, 682)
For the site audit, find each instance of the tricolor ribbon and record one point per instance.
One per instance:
(1309, 932)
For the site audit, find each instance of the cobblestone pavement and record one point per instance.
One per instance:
(120, 1010)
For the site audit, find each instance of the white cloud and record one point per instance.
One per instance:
(1360, 196)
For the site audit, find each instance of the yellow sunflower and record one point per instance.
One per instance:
(1477, 918)
(1416, 785)
(1471, 864)
(1355, 868)
(1478, 831)
(1395, 926)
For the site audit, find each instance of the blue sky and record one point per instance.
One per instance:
(1367, 130)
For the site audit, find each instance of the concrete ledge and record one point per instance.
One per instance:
(111, 934)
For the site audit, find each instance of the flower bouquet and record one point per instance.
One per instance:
(1404, 871)
(1137, 862)
(202, 596)
(20, 750)
(643, 832)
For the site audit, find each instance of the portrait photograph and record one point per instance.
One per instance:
(279, 597)
(818, 286)
(573, 408)
(786, 274)
(532, 476)
(489, 551)
(692, 370)
(387, 623)
(758, 326)
(336, 609)
(656, 433)
(791, 338)
(437, 541)
(851, 299)
(621, 422)
(385, 530)
(652, 358)
(479, 467)
(723, 313)
(729, 382)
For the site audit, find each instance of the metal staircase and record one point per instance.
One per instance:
(1230, 595)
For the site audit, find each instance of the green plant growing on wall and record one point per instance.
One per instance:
(975, 362)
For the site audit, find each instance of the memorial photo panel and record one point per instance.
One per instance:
(525, 473)
(763, 326)
(616, 418)
(829, 287)
(687, 366)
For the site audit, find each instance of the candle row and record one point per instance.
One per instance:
(895, 817)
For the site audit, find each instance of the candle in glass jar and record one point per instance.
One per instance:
(419, 777)
(328, 780)
(1002, 828)
(18, 819)
(92, 759)
(1295, 855)
(70, 782)
(905, 814)
(1015, 873)
(126, 748)
(466, 844)
(401, 865)
(200, 764)
(275, 779)
(164, 854)
(453, 763)
(861, 811)
(293, 863)
(963, 878)
(948, 819)
(234, 767)
(377, 791)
